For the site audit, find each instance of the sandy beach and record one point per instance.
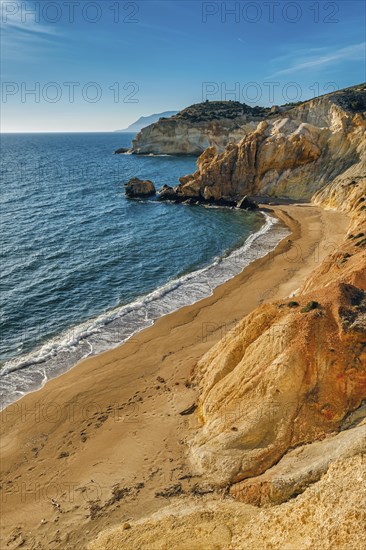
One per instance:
(96, 446)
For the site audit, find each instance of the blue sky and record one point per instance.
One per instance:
(99, 65)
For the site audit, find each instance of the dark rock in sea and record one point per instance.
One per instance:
(190, 202)
(167, 193)
(222, 202)
(120, 151)
(172, 194)
(247, 204)
(139, 188)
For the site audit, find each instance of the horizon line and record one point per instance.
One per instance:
(71, 132)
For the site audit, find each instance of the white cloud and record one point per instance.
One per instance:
(21, 24)
(20, 29)
(354, 52)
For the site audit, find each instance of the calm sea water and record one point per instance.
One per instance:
(83, 268)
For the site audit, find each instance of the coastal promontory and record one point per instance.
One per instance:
(291, 154)
(192, 130)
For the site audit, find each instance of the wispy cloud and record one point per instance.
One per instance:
(354, 52)
(19, 34)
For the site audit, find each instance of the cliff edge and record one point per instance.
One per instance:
(282, 397)
(282, 413)
(291, 154)
(192, 130)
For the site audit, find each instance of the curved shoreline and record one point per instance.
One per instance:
(113, 328)
(114, 418)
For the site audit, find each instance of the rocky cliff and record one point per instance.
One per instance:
(329, 515)
(293, 153)
(191, 131)
(282, 411)
(282, 397)
(289, 375)
(282, 407)
(292, 375)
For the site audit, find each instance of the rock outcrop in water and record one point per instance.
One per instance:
(247, 203)
(291, 154)
(191, 131)
(139, 188)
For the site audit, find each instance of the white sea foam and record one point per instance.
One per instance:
(30, 372)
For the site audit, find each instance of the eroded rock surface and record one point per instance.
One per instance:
(191, 131)
(139, 188)
(300, 468)
(284, 377)
(289, 373)
(330, 514)
(292, 154)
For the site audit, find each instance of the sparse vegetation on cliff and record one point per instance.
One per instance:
(291, 153)
(214, 110)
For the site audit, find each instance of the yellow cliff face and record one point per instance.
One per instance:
(329, 515)
(192, 130)
(290, 373)
(290, 155)
(282, 412)
(282, 397)
(286, 377)
(347, 192)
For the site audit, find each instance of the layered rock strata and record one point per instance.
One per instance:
(292, 154)
(191, 131)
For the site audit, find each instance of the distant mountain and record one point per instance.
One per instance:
(144, 121)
